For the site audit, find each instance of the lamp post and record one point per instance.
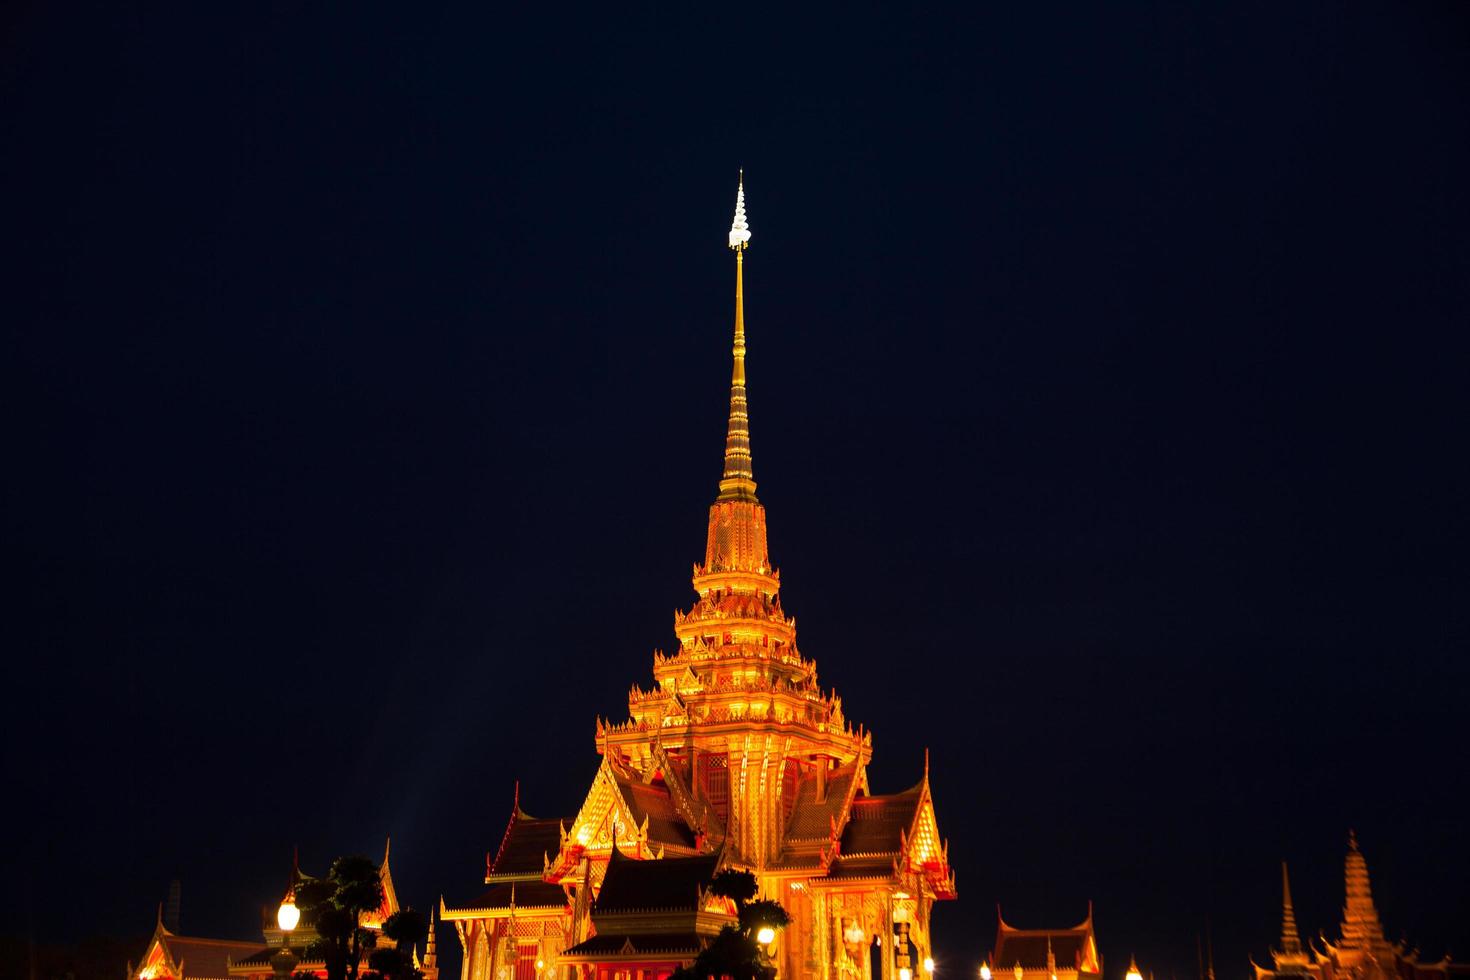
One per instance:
(287, 916)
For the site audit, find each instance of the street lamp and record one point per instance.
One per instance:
(929, 965)
(287, 917)
(765, 935)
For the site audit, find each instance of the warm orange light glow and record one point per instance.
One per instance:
(288, 915)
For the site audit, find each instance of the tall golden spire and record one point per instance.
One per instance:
(738, 482)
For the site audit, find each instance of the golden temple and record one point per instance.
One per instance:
(734, 757)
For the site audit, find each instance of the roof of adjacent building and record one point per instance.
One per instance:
(525, 846)
(1074, 948)
(643, 944)
(667, 885)
(525, 895)
(205, 959)
(521, 894)
(262, 957)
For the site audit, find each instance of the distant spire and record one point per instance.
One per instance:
(431, 955)
(1361, 928)
(738, 483)
(1291, 939)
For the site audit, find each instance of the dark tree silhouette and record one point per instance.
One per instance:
(734, 952)
(336, 905)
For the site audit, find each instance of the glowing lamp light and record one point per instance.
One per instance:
(985, 970)
(288, 915)
(540, 964)
(765, 935)
(904, 973)
(928, 964)
(1133, 971)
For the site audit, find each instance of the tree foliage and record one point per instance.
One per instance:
(335, 905)
(734, 952)
(408, 929)
(739, 886)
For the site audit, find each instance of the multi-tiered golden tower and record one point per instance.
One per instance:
(736, 754)
(1362, 953)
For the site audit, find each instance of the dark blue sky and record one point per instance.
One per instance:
(365, 384)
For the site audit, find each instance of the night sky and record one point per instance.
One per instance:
(365, 380)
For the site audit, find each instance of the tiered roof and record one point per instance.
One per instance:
(654, 907)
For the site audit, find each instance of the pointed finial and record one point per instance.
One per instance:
(1352, 839)
(739, 230)
(738, 481)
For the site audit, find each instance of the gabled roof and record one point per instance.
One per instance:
(194, 956)
(527, 843)
(1073, 949)
(652, 802)
(877, 824)
(667, 885)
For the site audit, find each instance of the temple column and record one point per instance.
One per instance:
(886, 959)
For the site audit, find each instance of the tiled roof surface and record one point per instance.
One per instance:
(207, 959)
(1028, 948)
(670, 884)
(673, 944)
(528, 895)
(875, 823)
(880, 866)
(526, 843)
(812, 819)
(256, 957)
(653, 802)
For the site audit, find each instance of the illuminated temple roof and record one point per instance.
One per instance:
(190, 957)
(525, 846)
(673, 884)
(1047, 950)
